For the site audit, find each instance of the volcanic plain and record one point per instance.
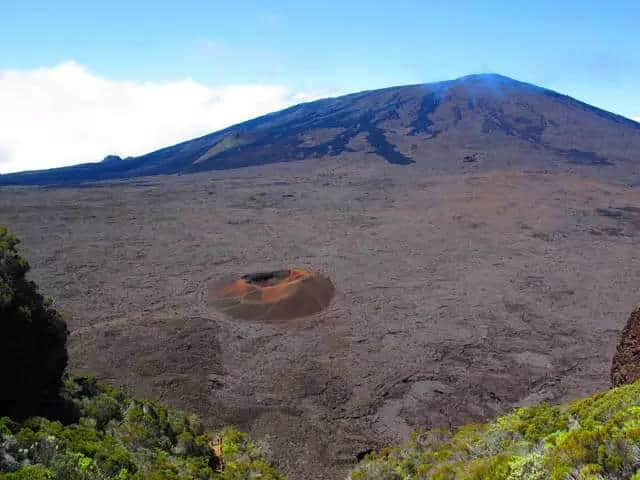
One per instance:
(457, 295)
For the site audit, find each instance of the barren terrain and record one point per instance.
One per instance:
(458, 295)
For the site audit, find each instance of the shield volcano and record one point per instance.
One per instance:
(276, 295)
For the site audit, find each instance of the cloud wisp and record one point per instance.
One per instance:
(66, 114)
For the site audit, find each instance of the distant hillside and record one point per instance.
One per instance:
(478, 120)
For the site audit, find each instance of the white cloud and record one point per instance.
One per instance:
(636, 118)
(66, 114)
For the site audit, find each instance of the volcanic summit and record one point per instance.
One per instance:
(482, 122)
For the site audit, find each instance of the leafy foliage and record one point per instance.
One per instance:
(595, 438)
(120, 438)
(243, 458)
(33, 337)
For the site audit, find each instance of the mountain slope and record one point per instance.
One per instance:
(485, 119)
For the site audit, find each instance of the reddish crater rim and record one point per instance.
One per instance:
(279, 294)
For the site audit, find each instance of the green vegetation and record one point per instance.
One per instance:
(120, 438)
(228, 142)
(595, 438)
(33, 338)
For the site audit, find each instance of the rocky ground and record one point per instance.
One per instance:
(457, 297)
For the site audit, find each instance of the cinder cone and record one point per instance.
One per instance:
(279, 295)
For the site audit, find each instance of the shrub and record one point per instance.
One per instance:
(32, 338)
(118, 438)
(29, 472)
(595, 438)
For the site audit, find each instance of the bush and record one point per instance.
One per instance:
(33, 338)
(119, 438)
(29, 472)
(594, 438)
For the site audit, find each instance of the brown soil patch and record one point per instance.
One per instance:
(277, 295)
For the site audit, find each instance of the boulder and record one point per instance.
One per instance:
(625, 367)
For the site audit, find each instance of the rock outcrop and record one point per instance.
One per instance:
(625, 367)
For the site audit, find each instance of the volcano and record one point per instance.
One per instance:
(277, 295)
(479, 121)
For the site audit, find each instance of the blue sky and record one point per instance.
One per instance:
(587, 49)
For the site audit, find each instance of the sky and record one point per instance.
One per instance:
(80, 80)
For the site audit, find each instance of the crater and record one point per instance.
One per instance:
(274, 295)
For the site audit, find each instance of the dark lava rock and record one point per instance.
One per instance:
(625, 367)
